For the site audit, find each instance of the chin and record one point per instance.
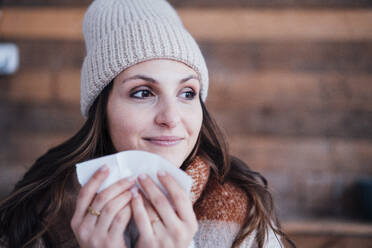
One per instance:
(175, 161)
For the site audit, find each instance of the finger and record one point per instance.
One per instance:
(180, 199)
(106, 196)
(111, 209)
(140, 216)
(153, 215)
(159, 230)
(120, 222)
(88, 191)
(111, 192)
(159, 201)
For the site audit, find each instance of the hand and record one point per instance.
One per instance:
(175, 227)
(100, 219)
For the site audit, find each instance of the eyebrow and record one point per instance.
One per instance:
(151, 80)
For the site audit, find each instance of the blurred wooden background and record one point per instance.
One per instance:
(291, 85)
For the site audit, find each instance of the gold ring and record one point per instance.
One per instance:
(156, 220)
(94, 212)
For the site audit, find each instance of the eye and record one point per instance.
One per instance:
(188, 94)
(140, 94)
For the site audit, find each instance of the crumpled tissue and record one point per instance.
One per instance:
(132, 163)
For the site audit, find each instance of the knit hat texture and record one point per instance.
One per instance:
(122, 33)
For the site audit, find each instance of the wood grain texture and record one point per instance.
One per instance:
(283, 89)
(279, 25)
(328, 227)
(216, 3)
(294, 104)
(330, 241)
(308, 176)
(40, 118)
(40, 143)
(48, 23)
(67, 86)
(224, 60)
(303, 154)
(273, 3)
(207, 25)
(318, 57)
(353, 124)
(32, 87)
(52, 55)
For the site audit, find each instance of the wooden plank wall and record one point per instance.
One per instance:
(290, 85)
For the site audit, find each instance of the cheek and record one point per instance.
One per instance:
(119, 126)
(123, 123)
(195, 121)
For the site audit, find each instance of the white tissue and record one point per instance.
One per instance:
(132, 163)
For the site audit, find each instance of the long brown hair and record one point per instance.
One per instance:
(213, 146)
(44, 192)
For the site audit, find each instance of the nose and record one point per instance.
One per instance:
(168, 114)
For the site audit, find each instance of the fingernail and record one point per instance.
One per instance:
(134, 191)
(162, 173)
(103, 168)
(143, 176)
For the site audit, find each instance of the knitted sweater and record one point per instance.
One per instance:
(220, 210)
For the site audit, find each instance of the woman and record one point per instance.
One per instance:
(144, 81)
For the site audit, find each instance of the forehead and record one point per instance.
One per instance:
(160, 67)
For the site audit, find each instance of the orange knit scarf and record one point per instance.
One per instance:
(213, 200)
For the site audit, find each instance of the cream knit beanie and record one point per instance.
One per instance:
(121, 33)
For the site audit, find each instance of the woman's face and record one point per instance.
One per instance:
(154, 106)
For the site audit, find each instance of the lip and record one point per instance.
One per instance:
(164, 140)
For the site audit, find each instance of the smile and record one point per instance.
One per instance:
(164, 140)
